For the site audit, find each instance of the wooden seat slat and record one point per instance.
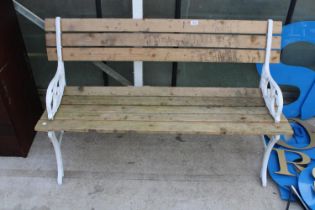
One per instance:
(190, 116)
(163, 25)
(163, 91)
(164, 54)
(165, 101)
(162, 40)
(79, 108)
(210, 128)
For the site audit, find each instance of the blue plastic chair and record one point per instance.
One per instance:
(300, 77)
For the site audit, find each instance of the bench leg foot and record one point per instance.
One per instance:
(56, 142)
(268, 149)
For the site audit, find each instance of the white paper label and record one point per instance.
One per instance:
(194, 22)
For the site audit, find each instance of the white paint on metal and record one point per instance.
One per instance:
(57, 85)
(137, 13)
(137, 9)
(56, 142)
(272, 95)
(263, 173)
(263, 141)
(138, 73)
(271, 91)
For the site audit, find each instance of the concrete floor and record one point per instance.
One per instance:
(111, 171)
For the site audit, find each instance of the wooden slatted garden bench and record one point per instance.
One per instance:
(175, 110)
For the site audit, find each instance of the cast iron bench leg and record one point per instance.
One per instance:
(57, 147)
(268, 149)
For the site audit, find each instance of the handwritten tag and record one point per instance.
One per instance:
(194, 22)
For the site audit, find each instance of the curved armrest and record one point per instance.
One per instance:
(57, 85)
(271, 91)
(272, 94)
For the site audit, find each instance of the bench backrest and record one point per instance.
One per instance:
(231, 41)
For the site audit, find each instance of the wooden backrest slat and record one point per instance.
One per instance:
(182, 40)
(164, 54)
(164, 25)
(162, 40)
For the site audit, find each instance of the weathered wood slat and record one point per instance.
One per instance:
(93, 109)
(164, 54)
(165, 127)
(165, 101)
(163, 91)
(165, 109)
(163, 25)
(161, 117)
(162, 40)
(165, 117)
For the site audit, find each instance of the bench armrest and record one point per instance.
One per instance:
(57, 85)
(271, 91)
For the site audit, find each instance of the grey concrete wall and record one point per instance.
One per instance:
(189, 74)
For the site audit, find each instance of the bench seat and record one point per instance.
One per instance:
(214, 111)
